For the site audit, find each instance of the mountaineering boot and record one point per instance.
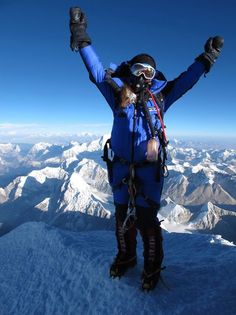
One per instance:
(153, 256)
(126, 243)
(150, 277)
(121, 264)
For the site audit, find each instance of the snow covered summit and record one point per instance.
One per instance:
(45, 270)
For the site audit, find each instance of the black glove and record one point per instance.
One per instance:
(78, 24)
(212, 50)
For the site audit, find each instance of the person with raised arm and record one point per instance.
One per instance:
(139, 95)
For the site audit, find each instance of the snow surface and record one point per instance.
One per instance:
(45, 270)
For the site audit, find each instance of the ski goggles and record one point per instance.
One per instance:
(138, 69)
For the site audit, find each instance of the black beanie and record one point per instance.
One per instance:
(143, 58)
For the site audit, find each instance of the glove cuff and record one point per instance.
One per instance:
(83, 39)
(207, 59)
(79, 39)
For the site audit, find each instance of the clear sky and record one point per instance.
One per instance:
(44, 87)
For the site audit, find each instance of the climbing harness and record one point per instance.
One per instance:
(108, 156)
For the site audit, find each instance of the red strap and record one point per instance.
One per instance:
(159, 116)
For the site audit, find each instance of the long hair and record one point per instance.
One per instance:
(127, 96)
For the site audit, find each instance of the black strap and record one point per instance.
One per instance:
(148, 118)
(160, 101)
(107, 159)
(136, 164)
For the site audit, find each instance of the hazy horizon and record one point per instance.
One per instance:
(205, 142)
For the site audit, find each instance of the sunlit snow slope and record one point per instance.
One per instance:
(45, 271)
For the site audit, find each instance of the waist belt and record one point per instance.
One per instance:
(111, 158)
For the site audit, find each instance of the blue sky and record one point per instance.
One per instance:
(44, 87)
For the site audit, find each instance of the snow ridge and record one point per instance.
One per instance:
(45, 270)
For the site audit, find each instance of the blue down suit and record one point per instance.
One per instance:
(131, 132)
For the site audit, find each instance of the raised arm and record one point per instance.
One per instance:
(203, 63)
(81, 42)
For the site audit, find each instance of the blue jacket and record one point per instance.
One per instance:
(131, 132)
(127, 131)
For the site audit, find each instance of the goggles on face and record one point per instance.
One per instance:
(138, 69)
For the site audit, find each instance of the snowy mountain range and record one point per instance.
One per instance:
(59, 184)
